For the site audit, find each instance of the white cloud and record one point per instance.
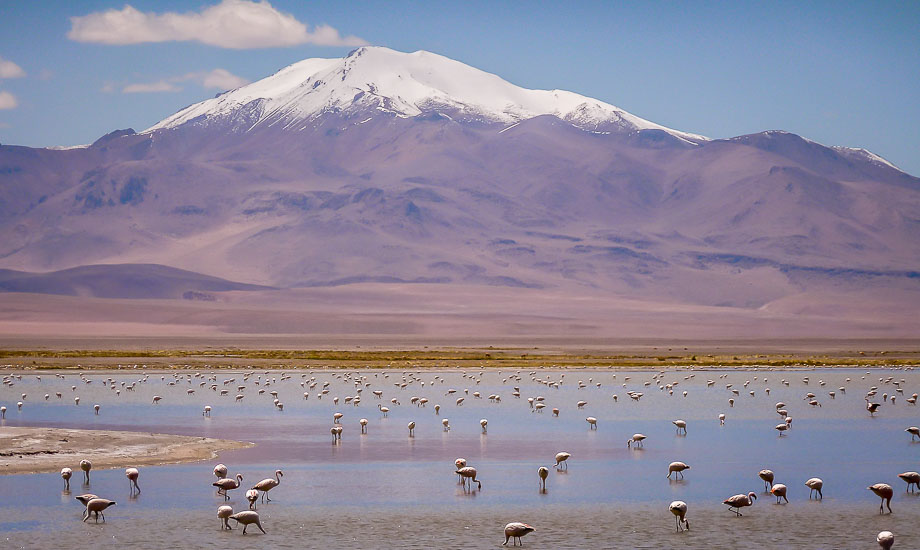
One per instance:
(220, 79)
(150, 87)
(238, 24)
(8, 69)
(7, 100)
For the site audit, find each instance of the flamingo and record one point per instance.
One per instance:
(484, 423)
(885, 540)
(814, 485)
(207, 411)
(637, 439)
(86, 466)
(884, 492)
(912, 478)
(336, 417)
(247, 518)
(914, 431)
(96, 409)
(516, 530)
(220, 471)
(468, 474)
(65, 474)
(872, 407)
(740, 501)
(446, 425)
(96, 506)
(721, 419)
(224, 513)
(543, 472)
(592, 422)
(85, 498)
(677, 468)
(767, 477)
(679, 509)
(252, 495)
(363, 423)
(681, 425)
(459, 463)
(268, 484)
(411, 429)
(227, 484)
(562, 460)
(779, 491)
(131, 474)
(2, 412)
(384, 410)
(781, 428)
(156, 399)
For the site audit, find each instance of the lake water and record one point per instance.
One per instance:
(388, 490)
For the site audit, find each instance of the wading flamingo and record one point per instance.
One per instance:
(247, 518)
(96, 506)
(884, 492)
(814, 485)
(543, 472)
(132, 474)
(679, 509)
(516, 530)
(268, 484)
(637, 439)
(677, 468)
(562, 460)
(86, 466)
(740, 501)
(224, 513)
(468, 475)
(227, 484)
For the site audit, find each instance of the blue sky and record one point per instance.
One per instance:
(837, 73)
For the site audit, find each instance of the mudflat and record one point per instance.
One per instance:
(43, 450)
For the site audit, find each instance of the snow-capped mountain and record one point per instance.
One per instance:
(404, 84)
(413, 171)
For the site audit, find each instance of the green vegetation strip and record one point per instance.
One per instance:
(50, 359)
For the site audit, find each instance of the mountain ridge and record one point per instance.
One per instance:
(341, 199)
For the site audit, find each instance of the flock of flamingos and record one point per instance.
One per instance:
(94, 506)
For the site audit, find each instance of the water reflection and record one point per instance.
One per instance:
(611, 495)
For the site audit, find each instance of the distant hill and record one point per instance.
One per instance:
(413, 169)
(121, 281)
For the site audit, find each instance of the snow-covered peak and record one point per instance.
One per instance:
(404, 84)
(864, 154)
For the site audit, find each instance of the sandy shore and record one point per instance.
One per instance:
(42, 450)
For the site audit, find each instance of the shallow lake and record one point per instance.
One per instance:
(385, 489)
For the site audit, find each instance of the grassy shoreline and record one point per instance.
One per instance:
(42, 359)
